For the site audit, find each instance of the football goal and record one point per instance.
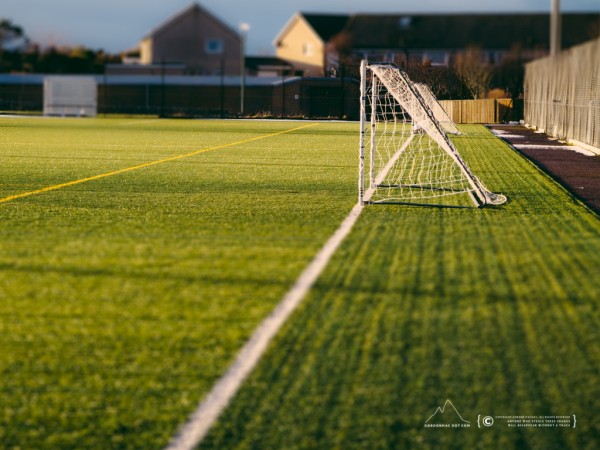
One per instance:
(70, 96)
(404, 148)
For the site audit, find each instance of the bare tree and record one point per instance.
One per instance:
(474, 71)
(340, 52)
(442, 80)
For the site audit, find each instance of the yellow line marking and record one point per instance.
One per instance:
(148, 164)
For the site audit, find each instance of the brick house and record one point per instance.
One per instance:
(196, 39)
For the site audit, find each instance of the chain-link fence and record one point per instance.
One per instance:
(562, 94)
(178, 96)
(189, 96)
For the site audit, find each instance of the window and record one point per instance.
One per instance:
(308, 49)
(436, 57)
(214, 46)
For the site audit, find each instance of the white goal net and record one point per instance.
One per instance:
(406, 151)
(438, 112)
(70, 96)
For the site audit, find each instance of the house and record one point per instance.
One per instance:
(195, 38)
(304, 40)
(315, 43)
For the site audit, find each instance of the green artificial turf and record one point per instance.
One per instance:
(495, 309)
(123, 298)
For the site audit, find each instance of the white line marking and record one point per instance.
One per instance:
(200, 422)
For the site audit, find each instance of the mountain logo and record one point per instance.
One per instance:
(446, 416)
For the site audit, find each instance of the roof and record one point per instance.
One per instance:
(191, 9)
(492, 31)
(156, 80)
(326, 25)
(449, 30)
(257, 62)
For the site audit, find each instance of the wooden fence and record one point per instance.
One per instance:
(483, 111)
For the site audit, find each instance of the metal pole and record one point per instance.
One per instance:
(374, 102)
(162, 88)
(282, 95)
(222, 87)
(105, 89)
(244, 28)
(361, 146)
(555, 28)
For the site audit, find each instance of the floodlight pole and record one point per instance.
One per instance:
(555, 28)
(244, 28)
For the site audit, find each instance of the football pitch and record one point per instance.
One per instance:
(138, 256)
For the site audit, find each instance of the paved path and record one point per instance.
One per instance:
(577, 169)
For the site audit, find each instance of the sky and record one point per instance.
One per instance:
(118, 25)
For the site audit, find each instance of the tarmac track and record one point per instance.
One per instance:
(573, 167)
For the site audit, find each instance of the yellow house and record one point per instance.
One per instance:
(303, 41)
(194, 37)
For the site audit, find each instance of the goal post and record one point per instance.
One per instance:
(409, 157)
(70, 95)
